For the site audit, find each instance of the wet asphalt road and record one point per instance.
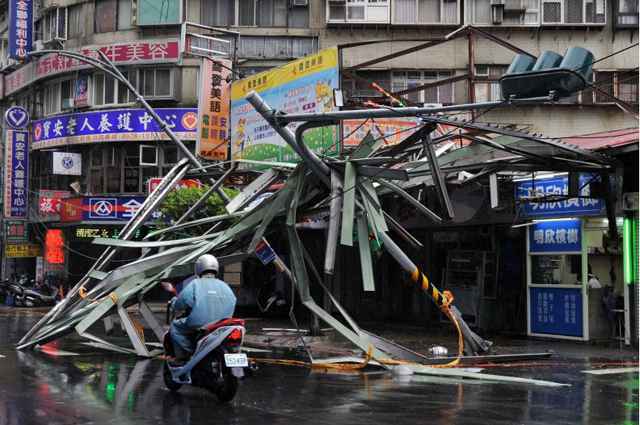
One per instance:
(36, 388)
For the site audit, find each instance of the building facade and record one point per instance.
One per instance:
(94, 151)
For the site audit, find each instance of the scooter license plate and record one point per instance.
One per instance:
(236, 360)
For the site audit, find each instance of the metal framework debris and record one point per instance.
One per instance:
(350, 188)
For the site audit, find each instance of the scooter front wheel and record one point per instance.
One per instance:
(172, 385)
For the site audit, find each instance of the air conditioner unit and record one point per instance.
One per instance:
(300, 3)
(67, 103)
(513, 6)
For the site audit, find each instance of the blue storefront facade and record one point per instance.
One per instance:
(571, 267)
(92, 171)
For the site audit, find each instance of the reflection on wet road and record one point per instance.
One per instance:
(36, 388)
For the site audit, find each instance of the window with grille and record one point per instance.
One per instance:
(75, 22)
(360, 87)
(247, 13)
(573, 11)
(53, 25)
(407, 80)
(613, 84)
(486, 86)
(627, 13)
(156, 82)
(358, 11)
(425, 12)
(514, 12)
(108, 91)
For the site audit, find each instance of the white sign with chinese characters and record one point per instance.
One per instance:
(67, 163)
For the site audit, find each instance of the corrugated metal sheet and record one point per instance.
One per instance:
(604, 140)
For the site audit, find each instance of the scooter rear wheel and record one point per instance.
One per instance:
(227, 391)
(168, 379)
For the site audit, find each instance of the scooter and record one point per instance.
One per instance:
(32, 296)
(216, 364)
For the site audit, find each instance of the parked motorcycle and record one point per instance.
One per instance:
(24, 293)
(216, 364)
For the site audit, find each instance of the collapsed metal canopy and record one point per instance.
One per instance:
(348, 188)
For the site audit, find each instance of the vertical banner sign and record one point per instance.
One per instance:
(81, 91)
(54, 246)
(16, 175)
(213, 109)
(20, 28)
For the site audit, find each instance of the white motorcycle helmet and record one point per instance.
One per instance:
(206, 263)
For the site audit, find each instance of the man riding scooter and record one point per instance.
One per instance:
(205, 300)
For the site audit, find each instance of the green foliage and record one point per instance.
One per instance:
(179, 201)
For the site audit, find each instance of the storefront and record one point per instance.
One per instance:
(574, 269)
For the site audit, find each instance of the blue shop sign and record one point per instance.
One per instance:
(113, 125)
(556, 311)
(538, 188)
(121, 208)
(556, 236)
(20, 29)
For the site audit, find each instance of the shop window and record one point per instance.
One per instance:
(556, 270)
(170, 157)
(148, 155)
(405, 80)
(156, 82)
(113, 169)
(96, 170)
(152, 12)
(131, 169)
